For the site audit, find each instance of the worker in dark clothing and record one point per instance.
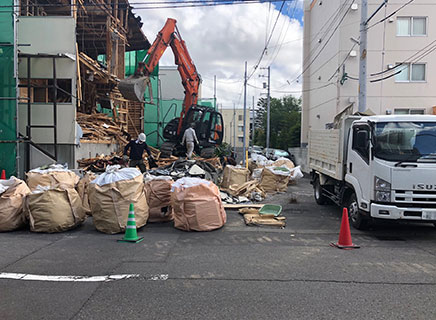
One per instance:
(137, 148)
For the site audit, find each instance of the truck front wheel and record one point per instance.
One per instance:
(358, 221)
(317, 192)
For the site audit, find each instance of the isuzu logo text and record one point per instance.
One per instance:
(423, 186)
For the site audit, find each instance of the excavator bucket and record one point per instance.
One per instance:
(133, 88)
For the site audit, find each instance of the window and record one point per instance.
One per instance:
(362, 151)
(240, 117)
(411, 73)
(241, 128)
(411, 26)
(240, 139)
(409, 111)
(45, 8)
(41, 90)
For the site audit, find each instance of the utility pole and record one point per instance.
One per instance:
(363, 55)
(214, 91)
(245, 114)
(234, 127)
(363, 50)
(252, 125)
(268, 115)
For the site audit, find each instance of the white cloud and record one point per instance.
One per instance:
(220, 39)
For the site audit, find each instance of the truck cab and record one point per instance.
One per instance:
(385, 169)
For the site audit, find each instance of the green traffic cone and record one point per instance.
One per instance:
(131, 235)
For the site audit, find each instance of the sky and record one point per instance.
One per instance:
(221, 38)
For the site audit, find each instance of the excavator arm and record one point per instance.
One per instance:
(190, 78)
(170, 36)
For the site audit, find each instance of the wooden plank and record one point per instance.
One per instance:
(133, 125)
(96, 142)
(264, 220)
(242, 205)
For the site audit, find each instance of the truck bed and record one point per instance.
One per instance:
(325, 152)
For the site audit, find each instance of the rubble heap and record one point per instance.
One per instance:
(100, 128)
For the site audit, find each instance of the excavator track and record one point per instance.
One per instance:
(166, 149)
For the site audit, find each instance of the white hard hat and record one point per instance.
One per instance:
(142, 137)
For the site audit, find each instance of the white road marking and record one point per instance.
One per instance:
(158, 277)
(107, 278)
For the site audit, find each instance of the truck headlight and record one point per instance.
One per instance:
(381, 185)
(383, 196)
(382, 190)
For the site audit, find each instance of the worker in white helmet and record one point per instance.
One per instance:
(137, 148)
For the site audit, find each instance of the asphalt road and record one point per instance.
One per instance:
(237, 272)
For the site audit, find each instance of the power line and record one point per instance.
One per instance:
(391, 14)
(343, 62)
(224, 82)
(330, 22)
(299, 91)
(287, 28)
(130, 4)
(279, 37)
(404, 61)
(423, 55)
(267, 43)
(325, 44)
(154, 5)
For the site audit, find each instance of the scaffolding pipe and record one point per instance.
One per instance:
(17, 92)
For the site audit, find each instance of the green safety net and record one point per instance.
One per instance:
(131, 60)
(6, 22)
(7, 91)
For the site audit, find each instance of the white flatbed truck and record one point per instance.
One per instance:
(379, 167)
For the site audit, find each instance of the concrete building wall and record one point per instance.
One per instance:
(171, 84)
(228, 120)
(91, 150)
(49, 35)
(323, 94)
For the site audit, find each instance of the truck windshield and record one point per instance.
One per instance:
(405, 141)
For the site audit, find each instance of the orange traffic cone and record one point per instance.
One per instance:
(3, 176)
(344, 241)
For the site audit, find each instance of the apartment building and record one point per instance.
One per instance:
(233, 120)
(400, 66)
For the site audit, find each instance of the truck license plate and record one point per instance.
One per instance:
(429, 215)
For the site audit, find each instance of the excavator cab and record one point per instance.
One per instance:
(208, 127)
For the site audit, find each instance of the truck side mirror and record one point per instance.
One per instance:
(362, 139)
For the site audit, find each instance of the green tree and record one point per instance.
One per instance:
(285, 125)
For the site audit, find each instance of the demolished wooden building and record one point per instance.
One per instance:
(72, 61)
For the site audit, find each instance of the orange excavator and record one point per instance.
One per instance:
(208, 122)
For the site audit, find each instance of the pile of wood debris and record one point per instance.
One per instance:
(245, 189)
(253, 218)
(100, 128)
(99, 163)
